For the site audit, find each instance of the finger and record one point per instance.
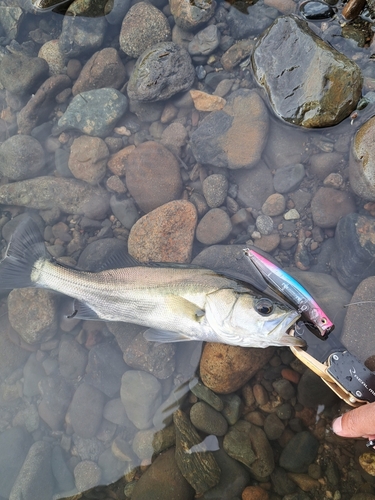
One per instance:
(359, 422)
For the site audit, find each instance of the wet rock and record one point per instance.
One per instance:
(288, 178)
(329, 205)
(356, 333)
(257, 19)
(225, 368)
(105, 368)
(21, 157)
(208, 420)
(146, 111)
(254, 493)
(206, 102)
(285, 146)
(204, 393)
(99, 252)
(199, 469)
(152, 176)
(264, 224)
(11, 355)
(354, 249)
(33, 314)
(116, 10)
(281, 482)
(205, 41)
(81, 34)
(125, 211)
(114, 412)
(164, 235)
(143, 26)
(235, 136)
(39, 107)
(44, 193)
(35, 480)
(14, 445)
(248, 444)
(190, 16)
(174, 138)
(87, 474)
(21, 74)
(323, 164)
(50, 52)
(33, 372)
(61, 472)
(274, 205)
(56, 397)
(72, 359)
(86, 410)
(141, 396)
(94, 112)
(215, 189)
(103, 69)
(316, 11)
(312, 103)
(300, 452)
(152, 357)
(154, 76)
(254, 186)
(362, 161)
(234, 55)
(88, 159)
(11, 19)
(273, 426)
(163, 480)
(234, 477)
(214, 227)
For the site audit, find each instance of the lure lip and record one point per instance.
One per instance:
(292, 291)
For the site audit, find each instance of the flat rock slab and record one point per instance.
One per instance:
(318, 87)
(235, 136)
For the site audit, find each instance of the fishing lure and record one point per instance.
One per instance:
(294, 292)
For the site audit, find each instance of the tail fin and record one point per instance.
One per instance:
(25, 248)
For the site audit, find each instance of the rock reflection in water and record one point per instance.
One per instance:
(104, 145)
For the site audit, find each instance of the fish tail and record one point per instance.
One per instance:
(25, 249)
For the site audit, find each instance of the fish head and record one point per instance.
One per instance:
(250, 319)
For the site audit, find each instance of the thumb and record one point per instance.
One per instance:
(359, 422)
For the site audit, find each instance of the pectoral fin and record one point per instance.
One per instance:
(83, 311)
(163, 336)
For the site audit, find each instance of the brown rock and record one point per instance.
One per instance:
(189, 15)
(117, 162)
(174, 138)
(362, 161)
(225, 368)
(164, 235)
(88, 159)
(268, 242)
(152, 176)
(254, 186)
(274, 205)
(323, 164)
(329, 205)
(103, 69)
(206, 102)
(41, 103)
(284, 6)
(254, 493)
(234, 55)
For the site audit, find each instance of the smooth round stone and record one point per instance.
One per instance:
(284, 389)
(215, 189)
(13, 153)
(14, 445)
(300, 452)
(205, 41)
(189, 16)
(274, 205)
(204, 393)
(330, 205)
(125, 211)
(288, 178)
(264, 224)
(208, 420)
(273, 426)
(316, 11)
(232, 408)
(87, 474)
(88, 159)
(214, 227)
(86, 410)
(362, 161)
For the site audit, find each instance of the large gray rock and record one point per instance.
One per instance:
(44, 193)
(21, 74)
(235, 136)
(362, 161)
(94, 112)
(154, 76)
(143, 26)
(81, 34)
(14, 445)
(315, 91)
(35, 480)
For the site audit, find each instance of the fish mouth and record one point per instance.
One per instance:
(286, 323)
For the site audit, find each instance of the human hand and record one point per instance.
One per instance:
(359, 422)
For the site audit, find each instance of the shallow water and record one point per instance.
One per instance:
(88, 406)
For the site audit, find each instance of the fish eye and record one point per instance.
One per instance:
(264, 306)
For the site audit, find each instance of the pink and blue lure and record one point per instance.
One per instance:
(293, 291)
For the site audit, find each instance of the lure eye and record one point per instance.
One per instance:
(264, 307)
(324, 321)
